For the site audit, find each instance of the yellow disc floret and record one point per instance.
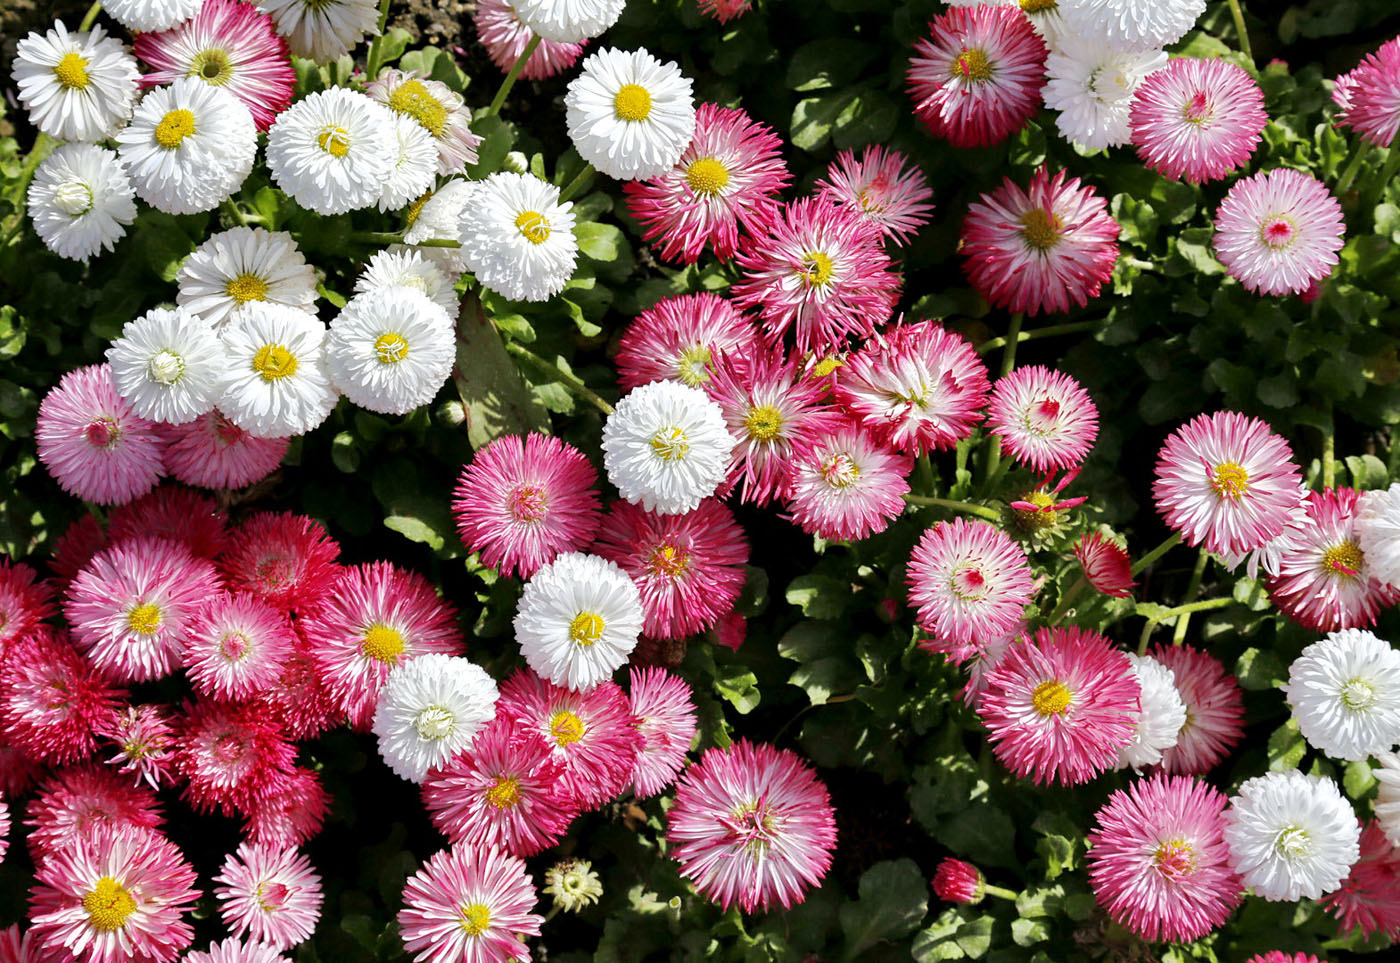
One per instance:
(764, 422)
(505, 793)
(383, 643)
(707, 176)
(108, 905)
(390, 348)
(1039, 229)
(586, 628)
(476, 918)
(71, 72)
(533, 226)
(413, 99)
(246, 287)
(632, 103)
(174, 127)
(274, 362)
(1051, 698)
(334, 141)
(566, 727)
(144, 618)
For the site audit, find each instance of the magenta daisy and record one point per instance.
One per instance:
(469, 904)
(51, 698)
(298, 700)
(724, 10)
(269, 895)
(1372, 107)
(236, 646)
(1278, 956)
(1370, 897)
(24, 603)
(503, 35)
(213, 452)
(523, 501)
(883, 186)
(751, 825)
(1041, 249)
(375, 617)
(1105, 565)
(93, 444)
(666, 720)
(287, 560)
(290, 810)
(847, 486)
(726, 179)
(680, 338)
(1045, 419)
(1197, 119)
(1214, 710)
(976, 79)
(1158, 862)
(821, 271)
(81, 801)
(969, 581)
(175, 513)
(1227, 482)
(1279, 231)
(236, 951)
(915, 387)
(1060, 706)
(231, 754)
(144, 740)
(958, 882)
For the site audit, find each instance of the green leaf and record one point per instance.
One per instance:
(825, 677)
(809, 641)
(1029, 932)
(416, 529)
(1367, 471)
(1286, 747)
(1358, 778)
(393, 44)
(739, 686)
(819, 596)
(1258, 669)
(599, 241)
(893, 902)
(344, 455)
(813, 118)
(497, 400)
(829, 62)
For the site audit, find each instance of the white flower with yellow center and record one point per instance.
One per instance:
(188, 146)
(1291, 836)
(517, 238)
(322, 30)
(436, 216)
(437, 109)
(332, 150)
(274, 382)
(430, 709)
(390, 350)
(243, 266)
(76, 86)
(408, 268)
(667, 447)
(415, 167)
(578, 620)
(80, 200)
(568, 21)
(630, 115)
(166, 365)
(146, 15)
(1345, 694)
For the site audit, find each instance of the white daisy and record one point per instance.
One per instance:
(1130, 24)
(166, 365)
(437, 108)
(243, 266)
(275, 382)
(1378, 532)
(435, 217)
(430, 709)
(408, 269)
(666, 447)
(630, 115)
(1345, 694)
(1386, 805)
(568, 21)
(578, 620)
(517, 238)
(322, 30)
(1044, 15)
(1091, 84)
(390, 350)
(1163, 714)
(76, 86)
(414, 170)
(80, 200)
(188, 146)
(332, 150)
(1291, 835)
(146, 15)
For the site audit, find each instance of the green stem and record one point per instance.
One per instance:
(1008, 361)
(569, 381)
(1172, 541)
(1000, 891)
(396, 237)
(1201, 606)
(923, 473)
(574, 185)
(981, 511)
(1329, 454)
(90, 17)
(372, 63)
(1193, 587)
(1344, 182)
(1070, 594)
(1238, 14)
(43, 146)
(511, 77)
(1055, 329)
(1146, 636)
(232, 208)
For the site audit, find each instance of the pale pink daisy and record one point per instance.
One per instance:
(80, 801)
(287, 560)
(469, 904)
(1041, 249)
(500, 31)
(751, 826)
(1372, 107)
(231, 754)
(724, 10)
(1045, 419)
(213, 452)
(1197, 119)
(883, 186)
(726, 179)
(680, 338)
(93, 444)
(847, 485)
(24, 602)
(235, 951)
(1227, 482)
(955, 881)
(175, 513)
(666, 720)
(1060, 706)
(821, 271)
(144, 741)
(236, 646)
(523, 501)
(1369, 899)
(976, 79)
(1105, 565)
(1158, 862)
(1279, 231)
(969, 581)
(51, 698)
(1214, 710)
(269, 895)
(290, 810)
(435, 107)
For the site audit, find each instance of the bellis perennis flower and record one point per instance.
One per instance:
(629, 114)
(1291, 835)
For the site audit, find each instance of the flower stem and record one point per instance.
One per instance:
(1172, 541)
(1048, 332)
(569, 381)
(1071, 593)
(981, 511)
(90, 17)
(396, 237)
(372, 63)
(1008, 361)
(231, 207)
(1349, 172)
(576, 184)
(43, 146)
(1192, 588)
(1000, 891)
(511, 77)
(1238, 14)
(1329, 454)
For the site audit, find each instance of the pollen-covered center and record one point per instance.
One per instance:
(840, 471)
(972, 64)
(1040, 229)
(144, 618)
(505, 793)
(565, 727)
(413, 99)
(670, 444)
(246, 287)
(383, 643)
(108, 905)
(1278, 231)
(1051, 698)
(212, 66)
(174, 127)
(707, 175)
(692, 366)
(274, 362)
(1293, 842)
(1358, 695)
(632, 103)
(1174, 858)
(528, 504)
(74, 198)
(71, 72)
(1344, 559)
(764, 422)
(416, 208)
(532, 226)
(165, 367)
(1229, 479)
(334, 140)
(390, 348)
(434, 723)
(586, 628)
(1038, 6)
(476, 918)
(816, 269)
(668, 560)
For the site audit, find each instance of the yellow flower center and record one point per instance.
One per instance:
(274, 362)
(390, 348)
(692, 363)
(972, 64)
(1039, 230)
(670, 444)
(505, 793)
(1050, 698)
(1230, 480)
(246, 287)
(816, 268)
(1042, 517)
(532, 226)
(476, 917)
(566, 727)
(413, 99)
(841, 471)
(707, 176)
(528, 504)
(144, 618)
(1344, 559)
(108, 905)
(212, 66)
(174, 127)
(71, 72)
(1038, 6)
(334, 141)
(669, 560)
(383, 643)
(586, 628)
(416, 207)
(764, 422)
(1174, 858)
(827, 365)
(632, 103)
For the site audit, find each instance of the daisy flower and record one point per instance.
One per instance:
(1279, 231)
(52, 698)
(287, 560)
(976, 79)
(229, 44)
(290, 810)
(1163, 714)
(847, 486)
(269, 895)
(1044, 418)
(1373, 96)
(235, 951)
(437, 216)
(236, 646)
(177, 513)
(437, 108)
(469, 904)
(408, 269)
(500, 31)
(1197, 119)
(431, 708)
(1214, 710)
(145, 15)
(276, 381)
(821, 271)
(680, 338)
(298, 699)
(1386, 805)
(629, 115)
(568, 21)
(390, 350)
(1158, 861)
(213, 452)
(76, 86)
(517, 237)
(145, 743)
(1092, 84)
(969, 581)
(958, 882)
(723, 10)
(322, 30)
(1345, 694)
(166, 365)
(666, 721)
(751, 825)
(231, 754)
(1105, 565)
(1131, 24)
(884, 186)
(573, 884)
(234, 269)
(1278, 956)
(1060, 706)
(1370, 896)
(415, 166)
(25, 603)
(725, 179)
(1377, 528)
(1291, 836)
(80, 201)
(332, 150)
(1041, 249)
(85, 800)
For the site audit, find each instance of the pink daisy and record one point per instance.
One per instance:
(51, 697)
(290, 810)
(1214, 710)
(1370, 897)
(976, 80)
(523, 501)
(175, 513)
(666, 720)
(144, 740)
(726, 179)
(680, 339)
(231, 754)
(1060, 706)
(77, 802)
(847, 486)
(751, 825)
(298, 699)
(1226, 481)
(228, 44)
(236, 647)
(1279, 231)
(376, 617)
(970, 583)
(236, 951)
(469, 904)
(213, 452)
(114, 897)
(1278, 956)
(1045, 419)
(1105, 564)
(915, 387)
(24, 602)
(73, 549)
(884, 186)
(1373, 95)
(504, 37)
(1158, 862)
(957, 882)
(593, 733)
(821, 271)
(93, 444)
(1197, 119)
(506, 791)
(1040, 249)
(269, 895)
(17, 947)
(287, 560)
(131, 607)
(724, 10)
